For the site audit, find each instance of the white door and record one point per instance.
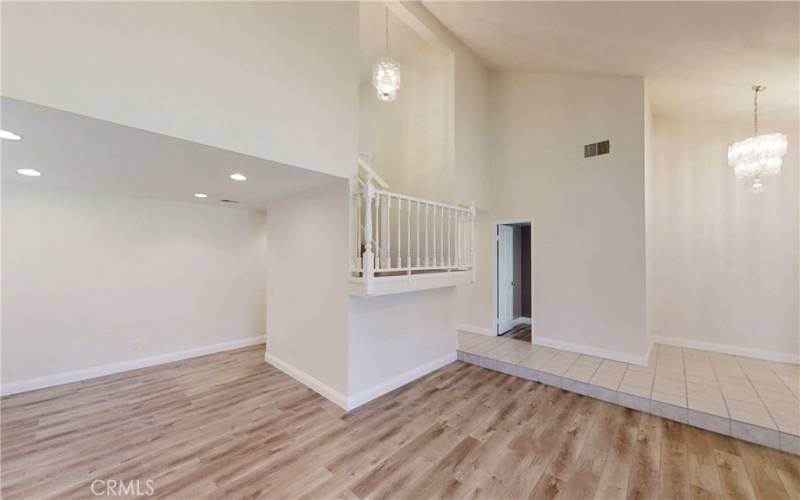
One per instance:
(505, 279)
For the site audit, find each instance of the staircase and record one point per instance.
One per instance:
(401, 243)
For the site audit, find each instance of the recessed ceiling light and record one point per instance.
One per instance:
(11, 136)
(200, 195)
(238, 177)
(29, 172)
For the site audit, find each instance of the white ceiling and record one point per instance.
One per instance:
(698, 57)
(84, 153)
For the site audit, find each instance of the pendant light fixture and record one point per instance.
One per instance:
(760, 156)
(386, 72)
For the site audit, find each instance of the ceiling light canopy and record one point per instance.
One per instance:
(760, 156)
(238, 177)
(386, 72)
(8, 135)
(29, 172)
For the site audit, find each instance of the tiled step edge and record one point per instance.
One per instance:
(770, 438)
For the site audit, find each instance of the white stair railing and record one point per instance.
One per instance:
(395, 234)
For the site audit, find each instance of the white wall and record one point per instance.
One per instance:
(408, 138)
(94, 279)
(307, 308)
(588, 214)
(470, 125)
(722, 262)
(276, 80)
(396, 339)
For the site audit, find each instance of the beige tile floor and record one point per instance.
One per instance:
(748, 398)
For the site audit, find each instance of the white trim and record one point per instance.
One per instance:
(123, 366)
(387, 285)
(649, 352)
(370, 171)
(476, 329)
(498, 222)
(393, 383)
(522, 320)
(312, 383)
(782, 357)
(623, 357)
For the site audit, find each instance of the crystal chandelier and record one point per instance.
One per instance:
(760, 156)
(386, 72)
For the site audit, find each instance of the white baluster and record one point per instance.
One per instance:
(359, 256)
(388, 232)
(399, 209)
(408, 235)
(449, 255)
(367, 260)
(460, 239)
(427, 216)
(441, 235)
(434, 236)
(378, 233)
(418, 256)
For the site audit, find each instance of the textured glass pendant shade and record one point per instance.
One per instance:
(760, 156)
(386, 72)
(386, 78)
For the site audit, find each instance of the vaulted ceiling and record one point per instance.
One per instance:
(697, 57)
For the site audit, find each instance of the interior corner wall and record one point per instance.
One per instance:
(588, 215)
(275, 80)
(722, 262)
(98, 283)
(477, 301)
(408, 138)
(469, 124)
(307, 267)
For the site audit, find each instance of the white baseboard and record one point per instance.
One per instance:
(123, 366)
(393, 383)
(476, 329)
(623, 357)
(522, 320)
(309, 381)
(783, 357)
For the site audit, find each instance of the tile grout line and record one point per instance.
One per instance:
(627, 365)
(589, 380)
(570, 366)
(796, 396)
(719, 386)
(655, 370)
(736, 358)
(685, 382)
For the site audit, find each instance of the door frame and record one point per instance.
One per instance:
(496, 276)
(504, 324)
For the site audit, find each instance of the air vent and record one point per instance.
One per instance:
(229, 201)
(597, 149)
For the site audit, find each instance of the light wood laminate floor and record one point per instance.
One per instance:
(231, 426)
(752, 399)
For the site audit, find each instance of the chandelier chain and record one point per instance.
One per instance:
(755, 110)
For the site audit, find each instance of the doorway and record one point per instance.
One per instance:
(514, 281)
